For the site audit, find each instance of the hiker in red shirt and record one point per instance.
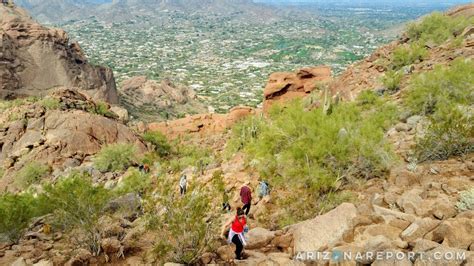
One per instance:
(238, 227)
(246, 197)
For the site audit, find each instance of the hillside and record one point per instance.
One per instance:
(377, 161)
(36, 59)
(52, 11)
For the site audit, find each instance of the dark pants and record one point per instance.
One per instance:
(225, 206)
(182, 190)
(246, 208)
(239, 247)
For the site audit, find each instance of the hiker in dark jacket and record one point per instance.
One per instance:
(246, 197)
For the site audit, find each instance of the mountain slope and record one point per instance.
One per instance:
(36, 59)
(55, 11)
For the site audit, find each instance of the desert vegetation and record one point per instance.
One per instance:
(313, 153)
(445, 96)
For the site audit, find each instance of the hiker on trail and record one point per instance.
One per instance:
(263, 189)
(144, 168)
(225, 201)
(183, 182)
(238, 227)
(246, 197)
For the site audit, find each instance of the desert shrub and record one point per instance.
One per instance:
(31, 173)
(446, 96)
(162, 147)
(77, 204)
(437, 28)
(450, 133)
(115, 157)
(189, 155)
(392, 79)
(133, 181)
(407, 55)
(186, 230)
(466, 200)
(443, 85)
(50, 103)
(16, 212)
(102, 108)
(310, 152)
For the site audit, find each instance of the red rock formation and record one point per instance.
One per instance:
(201, 125)
(35, 59)
(285, 86)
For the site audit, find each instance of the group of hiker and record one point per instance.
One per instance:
(237, 226)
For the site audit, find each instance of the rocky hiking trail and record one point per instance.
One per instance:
(411, 210)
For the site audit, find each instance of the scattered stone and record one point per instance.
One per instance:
(423, 245)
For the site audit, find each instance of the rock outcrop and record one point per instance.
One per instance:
(148, 100)
(285, 86)
(34, 59)
(70, 134)
(202, 125)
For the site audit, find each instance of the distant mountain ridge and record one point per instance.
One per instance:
(60, 11)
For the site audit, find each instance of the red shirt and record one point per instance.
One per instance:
(245, 195)
(238, 225)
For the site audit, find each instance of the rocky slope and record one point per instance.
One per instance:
(410, 210)
(368, 73)
(147, 100)
(63, 137)
(34, 59)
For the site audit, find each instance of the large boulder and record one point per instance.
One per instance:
(324, 230)
(150, 100)
(36, 59)
(285, 86)
(259, 238)
(455, 233)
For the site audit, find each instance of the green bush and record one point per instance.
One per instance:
(162, 147)
(115, 157)
(32, 173)
(133, 181)
(466, 200)
(102, 108)
(50, 103)
(437, 28)
(392, 79)
(189, 155)
(77, 204)
(309, 152)
(441, 86)
(445, 95)
(407, 55)
(16, 212)
(186, 230)
(450, 133)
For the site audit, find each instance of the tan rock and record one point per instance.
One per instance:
(399, 223)
(259, 238)
(389, 214)
(423, 245)
(455, 233)
(323, 230)
(418, 229)
(226, 253)
(283, 241)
